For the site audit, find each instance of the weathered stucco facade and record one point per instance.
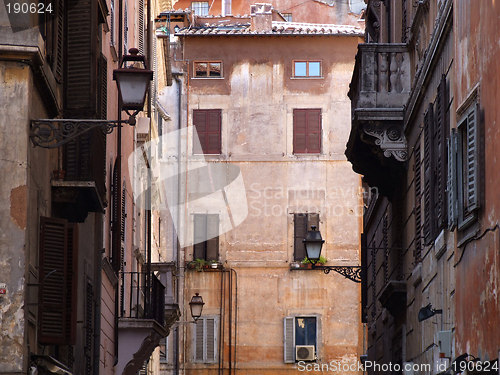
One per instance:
(423, 136)
(256, 284)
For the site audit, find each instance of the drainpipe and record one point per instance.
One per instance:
(180, 269)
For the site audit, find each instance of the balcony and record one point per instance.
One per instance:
(379, 90)
(144, 319)
(79, 188)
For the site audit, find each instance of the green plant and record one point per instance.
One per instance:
(199, 263)
(321, 260)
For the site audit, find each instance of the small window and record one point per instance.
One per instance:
(205, 339)
(299, 331)
(207, 123)
(206, 237)
(307, 131)
(301, 224)
(304, 69)
(207, 69)
(200, 8)
(287, 16)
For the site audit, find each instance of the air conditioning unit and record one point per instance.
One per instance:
(305, 353)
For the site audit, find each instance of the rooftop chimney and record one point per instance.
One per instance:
(262, 18)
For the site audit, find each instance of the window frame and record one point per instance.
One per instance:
(288, 17)
(297, 256)
(205, 244)
(209, 63)
(200, 4)
(317, 317)
(307, 76)
(203, 320)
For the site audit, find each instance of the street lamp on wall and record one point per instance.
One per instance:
(314, 243)
(132, 78)
(196, 306)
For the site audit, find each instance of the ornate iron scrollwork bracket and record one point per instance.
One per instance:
(390, 139)
(53, 133)
(349, 272)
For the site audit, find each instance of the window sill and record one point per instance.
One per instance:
(294, 77)
(216, 78)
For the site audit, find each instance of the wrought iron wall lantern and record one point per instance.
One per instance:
(196, 306)
(313, 243)
(132, 78)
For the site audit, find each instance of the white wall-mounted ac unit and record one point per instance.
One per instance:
(305, 353)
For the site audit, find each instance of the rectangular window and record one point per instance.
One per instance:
(207, 123)
(205, 339)
(287, 16)
(226, 7)
(303, 69)
(206, 237)
(300, 334)
(207, 69)
(200, 8)
(306, 131)
(301, 224)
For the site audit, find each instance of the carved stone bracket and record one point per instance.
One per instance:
(390, 139)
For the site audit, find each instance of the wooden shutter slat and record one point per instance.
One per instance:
(288, 340)
(210, 339)
(199, 340)
(418, 204)
(299, 131)
(314, 131)
(441, 128)
(300, 231)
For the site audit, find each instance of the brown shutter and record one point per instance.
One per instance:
(428, 176)
(58, 282)
(213, 237)
(299, 233)
(299, 131)
(58, 47)
(213, 135)
(103, 87)
(313, 131)
(417, 254)
(440, 132)
(364, 281)
(200, 124)
(312, 219)
(115, 224)
(81, 60)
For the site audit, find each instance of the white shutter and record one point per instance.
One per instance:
(289, 340)
(205, 340)
(472, 161)
(452, 180)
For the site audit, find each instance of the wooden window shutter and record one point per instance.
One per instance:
(472, 161)
(58, 281)
(124, 213)
(428, 176)
(364, 281)
(208, 128)
(103, 87)
(210, 341)
(452, 180)
(212, 237)
(312, 219)
(299, 131)
(299, 233)
(89, 328)
(441, 128)
(417, 254)
(141, 28)
(115, 223)
(199, 340)
(288, 340)
(58, 47)
(199, 236)
(314, 131)
(306, 131)
(81, 75)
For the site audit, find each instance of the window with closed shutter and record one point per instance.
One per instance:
(417, 252)
(206, 236)
(207, 123)
(58, 270)
(301, 224)
(205, 339)
(468, 166)
(428, 175)
(452, 180)
(306, 131)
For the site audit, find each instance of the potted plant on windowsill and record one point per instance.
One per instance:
(197, 264)
(306, 263)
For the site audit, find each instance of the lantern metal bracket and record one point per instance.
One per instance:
(53, 133)
(352, 273)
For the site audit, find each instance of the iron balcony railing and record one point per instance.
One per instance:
(142, 297)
